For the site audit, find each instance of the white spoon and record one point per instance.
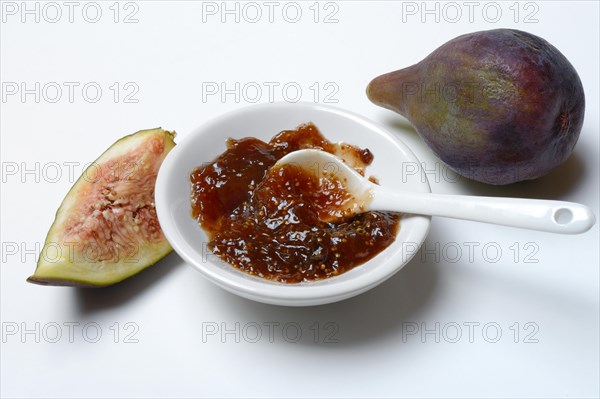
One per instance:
(544, 215)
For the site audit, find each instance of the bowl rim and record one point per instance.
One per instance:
(259, 289)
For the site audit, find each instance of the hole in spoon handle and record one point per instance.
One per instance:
(563, 216)
(573, 219)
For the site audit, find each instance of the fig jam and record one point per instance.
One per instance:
(269, 222)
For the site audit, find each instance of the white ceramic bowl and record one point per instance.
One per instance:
(263, 121)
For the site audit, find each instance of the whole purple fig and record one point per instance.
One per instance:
(497, 106)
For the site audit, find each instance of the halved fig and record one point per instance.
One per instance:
(106, 228)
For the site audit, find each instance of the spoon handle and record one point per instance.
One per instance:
(544, 215)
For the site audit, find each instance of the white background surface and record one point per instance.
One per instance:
(169, 55)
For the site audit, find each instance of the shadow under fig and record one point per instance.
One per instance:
(402, 124)
(555, 185)
(90, 300)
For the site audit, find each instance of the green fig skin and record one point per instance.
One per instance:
(497, 106)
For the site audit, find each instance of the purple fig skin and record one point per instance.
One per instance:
(497, 106)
